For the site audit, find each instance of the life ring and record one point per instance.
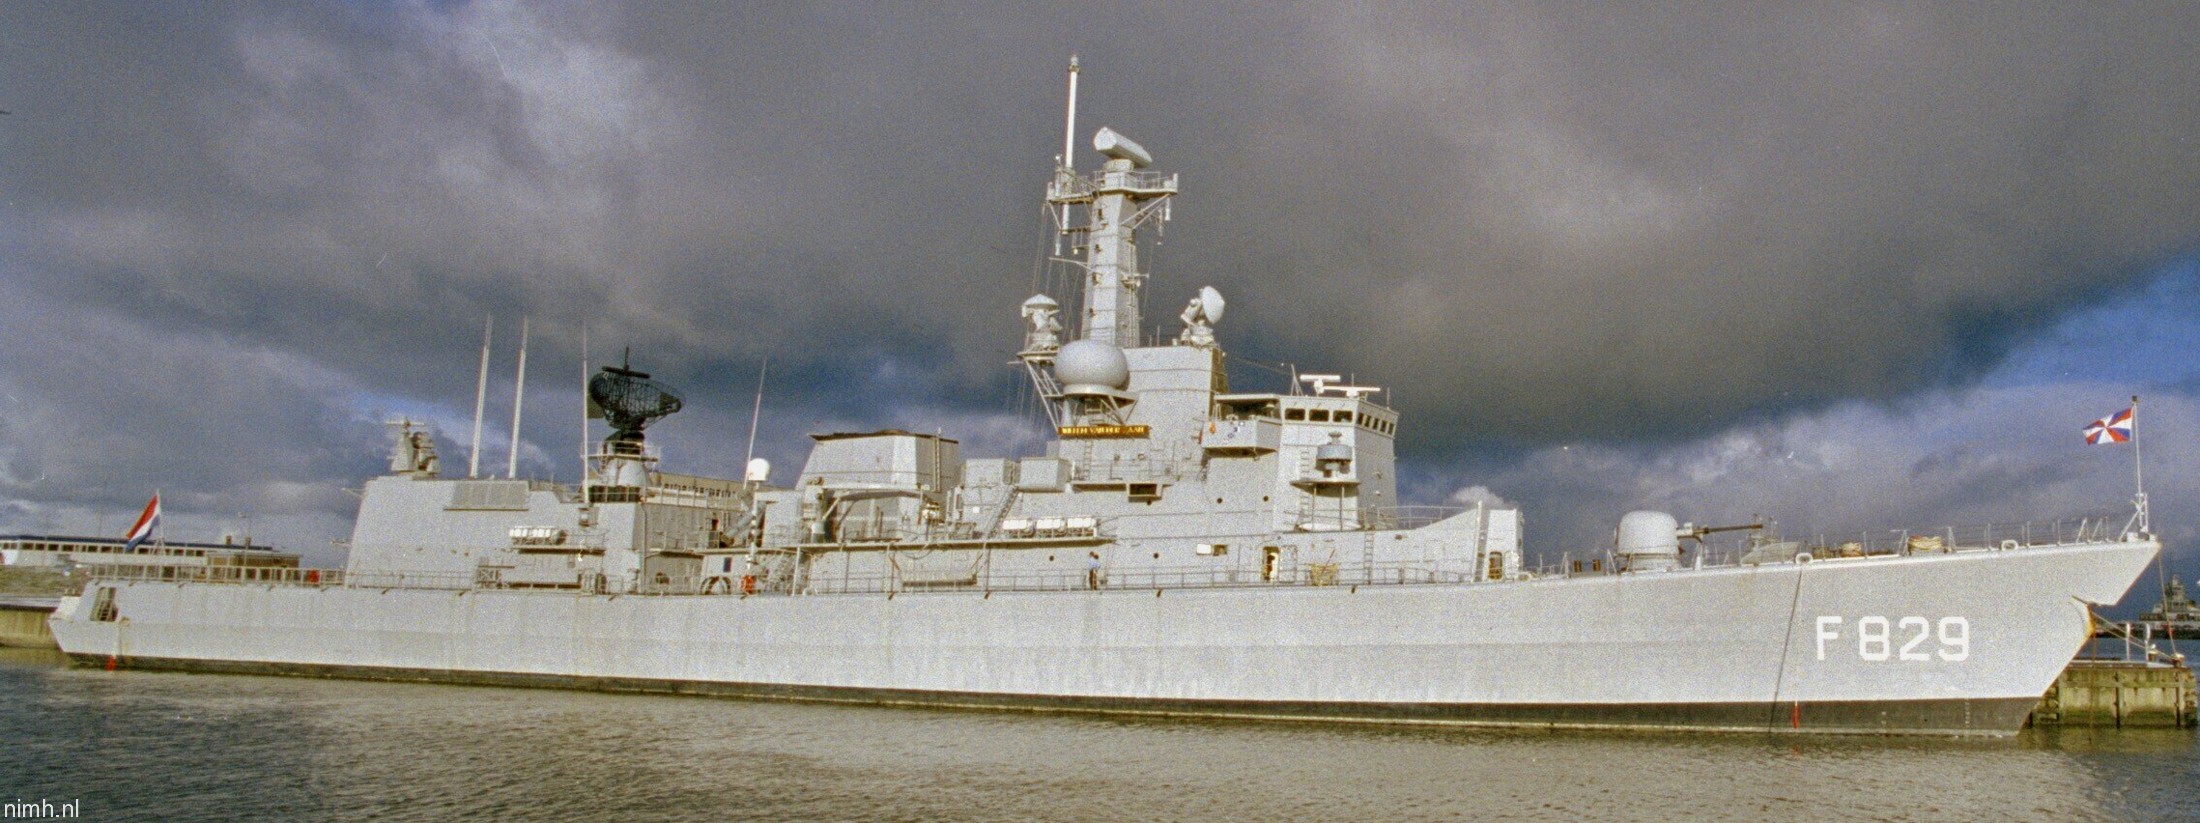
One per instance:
(748, 584)
(313, 577)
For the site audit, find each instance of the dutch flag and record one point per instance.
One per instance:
(143, 531)
(2115, 428)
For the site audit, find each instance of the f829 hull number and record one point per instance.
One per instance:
(1910, 639)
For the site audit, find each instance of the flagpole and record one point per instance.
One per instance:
(2138, 468)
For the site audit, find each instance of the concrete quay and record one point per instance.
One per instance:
(23, 622)
(2120, 693)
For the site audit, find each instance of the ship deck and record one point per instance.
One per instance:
(1840, 548)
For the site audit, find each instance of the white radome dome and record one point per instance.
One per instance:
(1648, 532)
(1092, 363)
(1648, 541)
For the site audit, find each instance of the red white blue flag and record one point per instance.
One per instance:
(143, 531)
(2115, 428)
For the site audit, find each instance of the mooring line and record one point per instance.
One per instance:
(1779, 679)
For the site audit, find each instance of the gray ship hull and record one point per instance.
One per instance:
(1960, 643)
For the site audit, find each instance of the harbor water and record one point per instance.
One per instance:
(158, 746)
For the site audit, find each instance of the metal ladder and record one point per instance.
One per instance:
(1367, 555)
(1008, 501)
(1050, 390)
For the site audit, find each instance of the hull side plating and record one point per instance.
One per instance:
(1740, 648)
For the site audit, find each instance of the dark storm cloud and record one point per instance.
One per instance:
(1539, 222)
(97, 414)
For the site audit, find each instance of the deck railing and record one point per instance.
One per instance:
(1862, 544)
(1411, 517)
(321, 578)
(1144, 578)
(215, 574)
(1838, 546)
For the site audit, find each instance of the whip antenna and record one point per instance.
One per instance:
(519, 397)
(481, 396)
(1069, 149)
(757, 412)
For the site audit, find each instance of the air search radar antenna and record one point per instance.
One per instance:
(630, 402)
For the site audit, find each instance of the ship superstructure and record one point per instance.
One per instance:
(1178, 547)
(1158, 474)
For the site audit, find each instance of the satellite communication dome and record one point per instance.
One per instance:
(1091, 364)
(630, 401)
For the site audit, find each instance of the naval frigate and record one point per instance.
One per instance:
(1179, 548)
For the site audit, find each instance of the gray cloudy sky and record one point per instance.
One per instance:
(1608, 256)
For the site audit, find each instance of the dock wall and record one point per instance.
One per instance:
(2119, 693)
(24, 626)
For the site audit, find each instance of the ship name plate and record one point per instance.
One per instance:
(1103, 431)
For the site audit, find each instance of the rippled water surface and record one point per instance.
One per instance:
(155, 746)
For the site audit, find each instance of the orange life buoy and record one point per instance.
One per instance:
(748, 584)
(313, 577)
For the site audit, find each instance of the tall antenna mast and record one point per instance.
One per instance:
(481, 396)
(1069, 149)
(519, 397)
(757, 412)
(1069, 128)
(584, 414)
